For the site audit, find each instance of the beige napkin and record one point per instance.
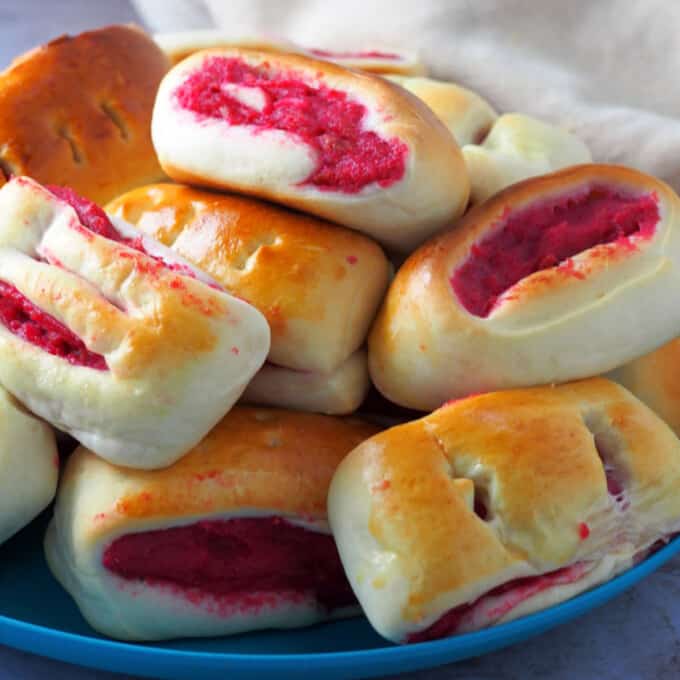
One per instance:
(607, 69)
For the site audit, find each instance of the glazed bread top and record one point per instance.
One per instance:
(559, 277)
(181, 44)
(464, 112)
(255, 462)
(343, 145)
(318, 285)
(435, 513)
(77, 112)
(112, 338)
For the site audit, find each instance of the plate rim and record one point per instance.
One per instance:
(36, 638)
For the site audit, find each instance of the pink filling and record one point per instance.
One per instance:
(514, 593)
(234, 559)
(89, 213)
(96, 220)
(368, 54)
(616, 486)
(327, 120)
(28, 322)
(546, 235)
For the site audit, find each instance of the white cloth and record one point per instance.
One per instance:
(606, 69)
(636, 636)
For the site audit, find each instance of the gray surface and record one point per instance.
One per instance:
(637, 637)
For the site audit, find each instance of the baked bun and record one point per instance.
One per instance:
(233, 537)
(381, 60)
(339, 392)
(464, 112)
(502, 504)
(77, 112)
(178, 46)
(556, 278)
(516, 148)
(29, 466)
(350, 147)
(319, 286)
(654, 379)
(110, 337)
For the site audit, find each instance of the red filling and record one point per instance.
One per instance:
(30, 323)
(348, 157)
(89, 213)
(368, 54)
(517, 591)
(96, 220)
(234, 559)
(546, 235)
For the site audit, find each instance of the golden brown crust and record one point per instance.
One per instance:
(654, 379)
(318, 285)
(77, 112)
(254, 459)
(532, 457)
(425, 347)
(261, 46)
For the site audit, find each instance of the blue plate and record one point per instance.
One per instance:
(36, 615)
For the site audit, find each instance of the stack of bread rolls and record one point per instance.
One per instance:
(213, 248)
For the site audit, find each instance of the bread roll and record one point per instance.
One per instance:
(179, 45)
(339, 392)
(382, 60)
(318, 286)
(518, 147)
(556, 278)
(346, 146)
(653, 378)
(77, 112)
(111, 338)
(464, 112)
(502, 504)
(233, 537)
(29, 466)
